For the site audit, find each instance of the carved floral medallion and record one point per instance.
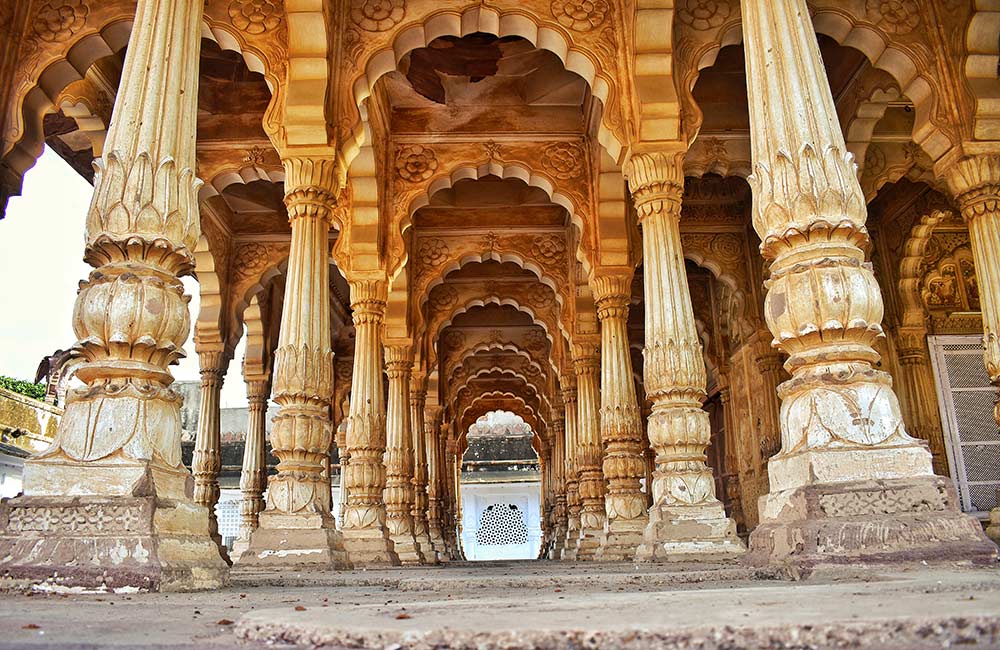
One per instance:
(58, 20)
(377, 15)
(416, 163)
(580, 15)
(894, 16)
(255, 16)
(564, 160)
(703, 14)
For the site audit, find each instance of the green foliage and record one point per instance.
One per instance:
(26, 388)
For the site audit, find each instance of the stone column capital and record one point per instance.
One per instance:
(656, 180)
(569, 395)
(311, 187)
(398, 360)
(369, 297)
(586, 356)
(612, 292)
(258, 391)
(212, 364)
(974, 182)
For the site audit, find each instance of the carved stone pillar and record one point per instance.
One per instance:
(253, 477)
(621, 435)
(206, 462)
(557, 470)
(587, 365)
(687, 519)
(111, 492)
(345, 458)
(418, 401)
(849, 484)
(918, 394)
(975, 183)
(297, 526)
(399, 495)
(572, 475)
(365, 532)
(435, 508)
(453, 514)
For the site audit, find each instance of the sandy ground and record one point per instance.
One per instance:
(528, 605)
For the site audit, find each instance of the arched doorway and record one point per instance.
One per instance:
(500, 490)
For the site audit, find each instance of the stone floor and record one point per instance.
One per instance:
(486, 606)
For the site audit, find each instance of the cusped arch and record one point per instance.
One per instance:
(493, 299)
(486, 402)
(500, 373)
(911, 267)
(209, 321)
(479, 18)
(981, 67)
(850, 31)
(244, 175)
(24, 137)
(485, 349)
(255, 290)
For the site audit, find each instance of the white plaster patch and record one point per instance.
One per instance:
(289, 552)
(63, 589)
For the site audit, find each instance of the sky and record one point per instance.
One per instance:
(41, 263)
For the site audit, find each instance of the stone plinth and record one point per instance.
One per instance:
(888, 521)
(109, 542)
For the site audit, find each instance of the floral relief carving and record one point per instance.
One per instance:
(539, 295)
(704, 14)
(432, 252)
(727, 246)
(453, 340)
(416, 163)
(58, 20)
(894, 16)
(580, 15)
(549, 248)
(255, 16)
(377, 15)
(564, 160)
(250, 259)
(443, 298)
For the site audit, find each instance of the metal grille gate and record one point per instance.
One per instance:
(972, 439)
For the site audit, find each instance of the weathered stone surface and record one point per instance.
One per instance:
(115, 543)
(857, 523)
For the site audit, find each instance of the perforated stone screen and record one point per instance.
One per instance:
(500, 524)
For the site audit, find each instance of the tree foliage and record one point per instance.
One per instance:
(26, 388)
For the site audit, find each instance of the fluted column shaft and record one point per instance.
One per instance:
(399, 494)
(364, 520)
(453, 516)
(418, 401)
(589, 459)
(253, 477)
(841, 426)
(975, 183)
(206, 461)
(435, 510)
(557, 468)
(303, 362)
(120, 435)
(297, 518)
(621, 433)
(679, 431)
(572, 475)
